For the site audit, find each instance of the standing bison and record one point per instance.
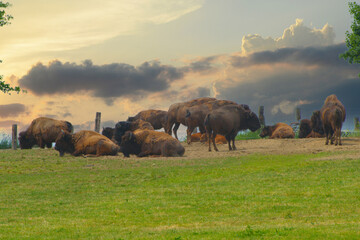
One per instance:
(85, 143)
(228, 121)
(332, 116)
(157, 118)
(43, 132)
(279, 130)
(144, 142)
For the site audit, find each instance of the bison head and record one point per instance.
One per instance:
(108, 132)
(253, 121)
(305, 128)
(266, 131)
(64, 143)
(120, 129)
(129, 145)
(25, 141)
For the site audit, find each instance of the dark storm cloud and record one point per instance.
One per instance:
(274, 86)
(12, 110)
(202, 65)
(326, 56)
(105, 81)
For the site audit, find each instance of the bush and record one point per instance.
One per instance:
(5, 141)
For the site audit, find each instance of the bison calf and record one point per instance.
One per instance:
(85, 142)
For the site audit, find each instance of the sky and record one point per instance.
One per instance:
(117, 57)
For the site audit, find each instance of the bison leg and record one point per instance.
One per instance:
(233, 143)
(209, 140)
(213, 140)
(189, 131)
(228, 139)
(176, 127)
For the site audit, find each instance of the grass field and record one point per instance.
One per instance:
(246, 197)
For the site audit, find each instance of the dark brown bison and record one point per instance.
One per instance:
(332, 116)
(316, 124)
(149, 142)
(157, 118)
(108, 132)
(85, 143)
(177, 112)
(279, 130)
(195, 115)
(305, 128)
(43, 131)
(228, 121)
(124, 126)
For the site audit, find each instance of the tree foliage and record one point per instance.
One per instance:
(352, 55)
(4, 20)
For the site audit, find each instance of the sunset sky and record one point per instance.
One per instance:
(117, 57)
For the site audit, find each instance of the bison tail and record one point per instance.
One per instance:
(338, 117)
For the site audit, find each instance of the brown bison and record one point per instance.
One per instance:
(311, 128)
(43, 131)
(316, 124)
(149, 142)
(305, 128)
(228, 121)
(157, 118)
(85, 143)
(279, 130)
(195, 115)
(332, 116)
(108, 132)
(177, 112)
(124, 126)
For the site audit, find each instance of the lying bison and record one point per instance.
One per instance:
(43, 132)
(228, 121)
(149, 142)
(124, 126)
(311, 128)
(305, 128)
(332, 116)
(157, 118)
(85, 143)
(279, 130)
(108, 132)
(201, 137)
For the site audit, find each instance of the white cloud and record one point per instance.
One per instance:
(288, 107)
(297, 35)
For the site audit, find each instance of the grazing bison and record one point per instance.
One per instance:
(85, 142)
(332, 116)
(279, 130)
(157, 118)
(149, 142)
(43, 131)
(228, 121)
(195, 115)
(177, 112)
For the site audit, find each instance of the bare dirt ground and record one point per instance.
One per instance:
(273, 146)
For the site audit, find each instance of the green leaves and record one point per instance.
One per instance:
(353, 39)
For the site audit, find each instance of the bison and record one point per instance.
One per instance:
(228, 121)
(108, 132)
(332, 116)
(305, 128)
(279, 130)
(177, 112)
(85, 142)
(201, 137)
(123, 126)
(149, 142)
(316, 124)
(157, 118)
(43, 131)
(195, 115)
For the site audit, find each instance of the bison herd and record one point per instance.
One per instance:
(219, 121)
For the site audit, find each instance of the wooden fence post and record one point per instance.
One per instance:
(97, 122)
(357, 124)
(261, 115)
(298, 114)
(14, 137)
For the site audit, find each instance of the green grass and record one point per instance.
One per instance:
(247, 197)
(5, 141)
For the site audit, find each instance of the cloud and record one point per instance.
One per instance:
(287, 107)
(106, 81)
(297, 35)
(8, 123)
(12, 110)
